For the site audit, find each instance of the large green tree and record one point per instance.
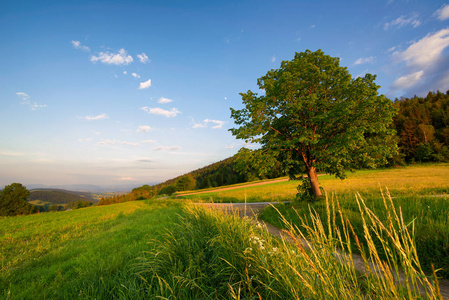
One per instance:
(314, 115)
(13, 201)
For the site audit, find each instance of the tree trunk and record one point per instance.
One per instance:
(313, 177)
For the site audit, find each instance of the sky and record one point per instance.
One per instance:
(138, 92)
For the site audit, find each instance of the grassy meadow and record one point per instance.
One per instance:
(81, 254)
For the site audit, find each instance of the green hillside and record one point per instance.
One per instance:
(58, 196)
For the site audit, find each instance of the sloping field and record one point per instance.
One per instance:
(88, 253)
(415, 180)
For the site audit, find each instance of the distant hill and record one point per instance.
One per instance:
(84, 187)
(57, 196)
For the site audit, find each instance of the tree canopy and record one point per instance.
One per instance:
(313, 114)
(13, 201)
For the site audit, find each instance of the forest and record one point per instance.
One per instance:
(421, 124)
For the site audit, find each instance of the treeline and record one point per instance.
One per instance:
(422, 125)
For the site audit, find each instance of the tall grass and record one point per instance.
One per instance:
(430, 216)
(216, 256)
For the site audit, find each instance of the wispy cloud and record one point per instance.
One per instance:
(26, 100)
(443, 13)
(96, 118)
(120, 58)
(126, 178)
(166, 148)
(145, 160)
(273, 58)
(163, 100)
(24, 96)
(427, 51)
(162, 112)
(148, 141)
(10, 153)
(135, 75)
(145, 85)
(77, 45)
(109, 142)
(143, 58)
(365, 60)
(402, 21)
(206, 122)
(143, 128)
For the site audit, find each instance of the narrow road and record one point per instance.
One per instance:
(252, 209)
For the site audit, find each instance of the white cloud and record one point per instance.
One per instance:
(135, 75)
(163, 100)
(199, 125)
(427, 51)
(129, 143)
(443, 13)
(77, 45)
(402, 21)
(124, 72)
(162, 112)
(85, 140)
(143, 58)
(273, 58)
(408, 81)
(145, 85)
(95, 118)
(120, 58)
(218, 124)
(166, 148)
(364, 60)
(143, 128)
(36, 106)
(24, 96)
(26, 100)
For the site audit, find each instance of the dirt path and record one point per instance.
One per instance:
(252, 209)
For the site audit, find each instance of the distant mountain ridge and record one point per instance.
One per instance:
(88, 188)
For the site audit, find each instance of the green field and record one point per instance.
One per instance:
(86, 253)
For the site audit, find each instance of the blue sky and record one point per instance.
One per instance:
(114, 92)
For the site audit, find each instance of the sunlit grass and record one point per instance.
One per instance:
(426, 179)
(85, 253)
